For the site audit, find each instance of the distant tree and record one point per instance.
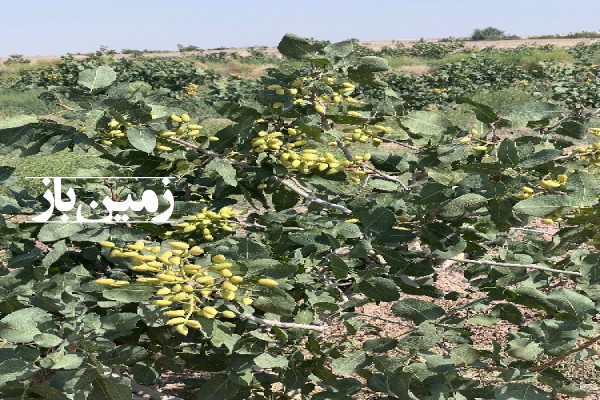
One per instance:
(183, 49)
(489, 33)
(16, 59)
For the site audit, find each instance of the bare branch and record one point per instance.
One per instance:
(309, 195)
(381, 175)
(145, 392)
(513, 265)
(345, 150)
(558, 359)
(393, 321)
(285, 228)
(385, 139)
(280, 324)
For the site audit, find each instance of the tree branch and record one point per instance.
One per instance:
(280, 324)
(513, 265)
(558, 359)
(145, 392)
(285, 228)
(393, 321)
(309, 195)
(408, 146)
(381, 175)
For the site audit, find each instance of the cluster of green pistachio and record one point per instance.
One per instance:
(595, 131)
(477, 144)
(208, 223)
(115, 133)
(180, 165)
(191, 89)
(364, 133)
(301, 89)
(591, 152)
(181, 128)
(341, 94)
(544, 184)
(272, 141)
(185, 288)
(311, 160)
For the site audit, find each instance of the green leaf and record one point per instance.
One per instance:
(432, 193)
(144, 373)
(54, 232)
(364, 71)
(573, 129)
(276, 301)
(347, 230)
(297, 47)
(219, 387)
(524, 349)
(110, 388)
(380, 289)
(464, 355)
(338, 266)
(61, 360)
(47, 340)
(98, 78)
(520, 391)
(426, 123)
(592, 263)
(224, 169)
(579, 306)
(14, 369)
(378, 219)
(340, 49)
(462, 205)
(483, 320)
(142, 139)
(508, 312)
(540, 206)
(380, 345)
(47, 392)
(583, 188)
(222, 335)
(129, 294)
(417, 310)
(17, 121)
(507, 152)
(349, 363)
(266, 360)
(22, 326)
(522, 114)
(284, 199)
(262, 266)
(540, 158)
(483, 112)
(58, 249)
(383, 185)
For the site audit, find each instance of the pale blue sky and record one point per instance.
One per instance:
(44, 27)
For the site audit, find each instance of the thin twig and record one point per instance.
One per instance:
(309, 195)
(285, 228)
(381, 175)
(345, 150)
(393, 321)
(280, 324)
(558, 359)
(145, 392)
(513, 265)
(408, 146)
